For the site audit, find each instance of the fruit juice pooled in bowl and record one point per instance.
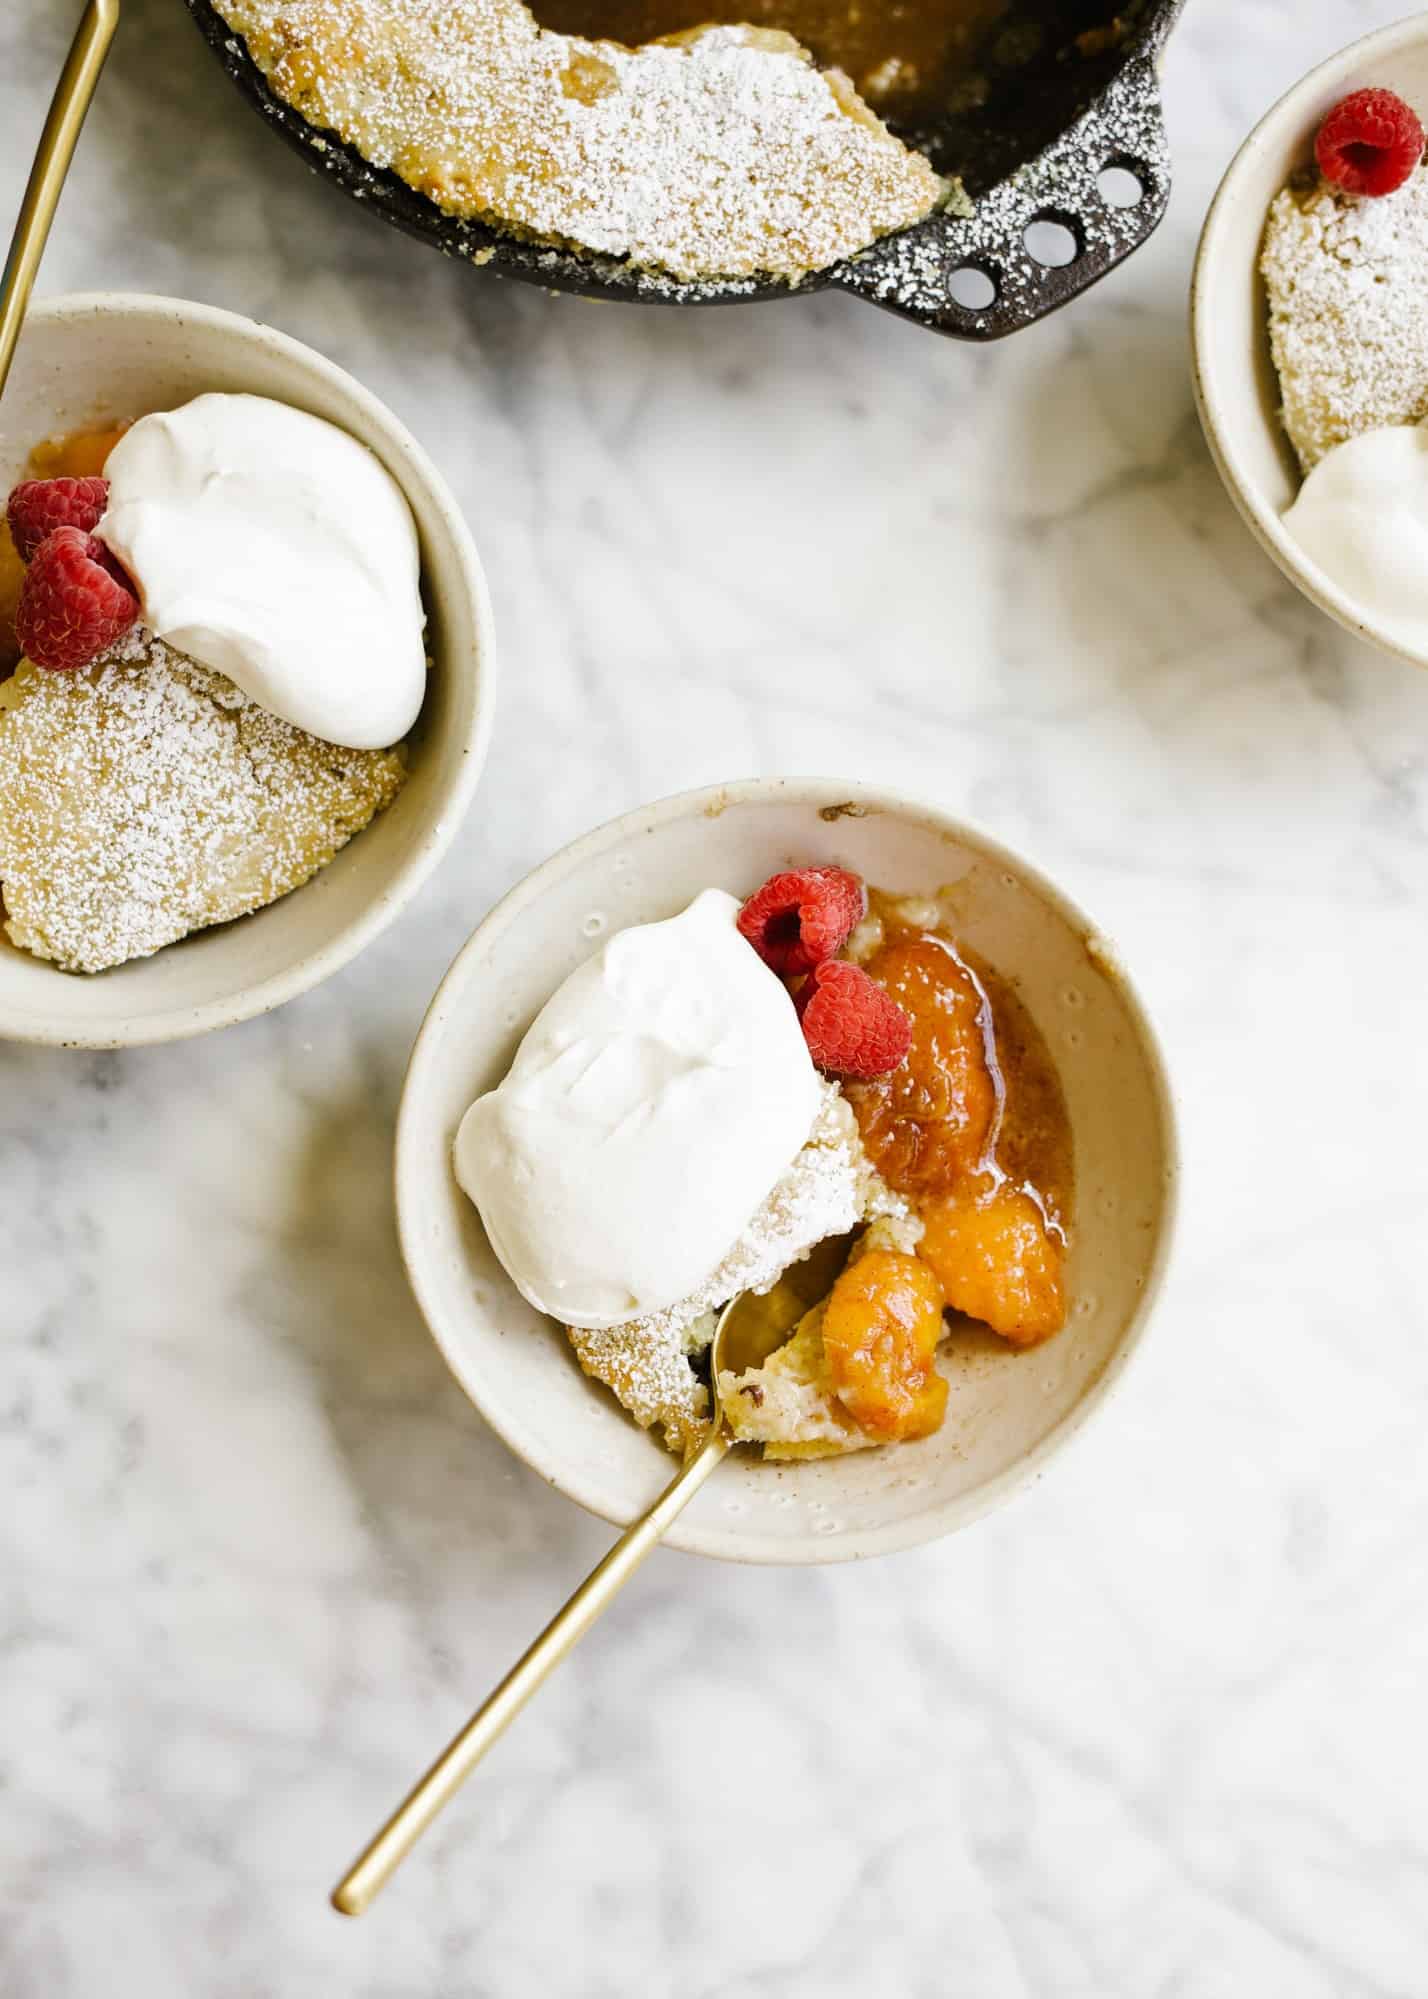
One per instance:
(710, 1097)
(212, 655)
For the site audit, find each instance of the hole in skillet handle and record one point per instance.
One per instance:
(1054, 239)
(974, 287)
(1121, 183)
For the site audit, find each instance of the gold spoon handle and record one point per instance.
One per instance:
(52, 157)
(369, 1874)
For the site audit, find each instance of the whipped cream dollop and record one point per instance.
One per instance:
(273, 547)
(1362, 516)
(655, 1100)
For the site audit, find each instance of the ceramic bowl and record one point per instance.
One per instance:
(1010, 1413)
(1236, 387)
(85, 360)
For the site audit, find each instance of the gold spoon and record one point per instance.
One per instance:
(52, 157)
(749, 1330)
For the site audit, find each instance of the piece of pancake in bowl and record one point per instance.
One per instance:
(146, 797)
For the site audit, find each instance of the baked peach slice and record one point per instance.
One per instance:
(881, 1327)
(931, 1121)
(998, 1262)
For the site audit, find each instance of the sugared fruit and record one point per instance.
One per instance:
(850, 1024)
(998, 1262)
(1370, 143)
(881, 1326)
(37, 507)
(798, 919)
(75, 602)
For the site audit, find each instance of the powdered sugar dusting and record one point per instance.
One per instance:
(147, 797)
(724, 153)
(1348, 310)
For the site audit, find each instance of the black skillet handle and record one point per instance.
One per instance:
(1102, 186)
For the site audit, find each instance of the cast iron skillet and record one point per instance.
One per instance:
(1071, 89)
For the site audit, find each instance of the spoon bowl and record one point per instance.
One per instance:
(753, 1325)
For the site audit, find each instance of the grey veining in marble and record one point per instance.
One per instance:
(1157, 1731)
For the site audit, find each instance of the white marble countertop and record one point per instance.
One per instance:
(1153, 1730)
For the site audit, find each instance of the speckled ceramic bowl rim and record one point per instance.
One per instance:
(1289, 116)
(413, 1135)
(464, 574)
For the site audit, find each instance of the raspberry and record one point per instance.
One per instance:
(796, 920)
(38, 506)
(75, 602)
(852, 1027)
(1370, 143)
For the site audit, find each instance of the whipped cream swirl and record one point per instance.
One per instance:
(271, 546)
(1362, 516)
(655, 1100)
